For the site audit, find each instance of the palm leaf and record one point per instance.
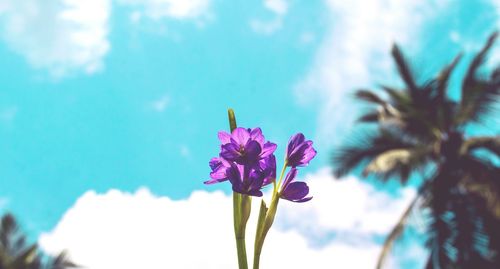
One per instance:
(444, 77)
(372, 116)
(478, 95)
(369, 96)
(476, 63)
(404, 69)
(366, 147)
(489, 143)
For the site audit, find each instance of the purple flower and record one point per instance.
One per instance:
(299, 151)
(268, 167)
(246, 160)
(294, 191)
(245, 146)
(246, 180)
(219, 167)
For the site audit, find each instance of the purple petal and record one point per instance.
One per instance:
(219, 167)
(268, 149)
(214, 163)
(255, 181)
(290, 176)
(309, 154)
(300, 154)
(256, 193)
(256, 134)
(214, 180)
(251, 152)
(230, 152)
(219, 173)
(241, 136)
(305, 199)
(224, 137)
(268, 166)
(294, 141)
(296, 192)
(234, 176)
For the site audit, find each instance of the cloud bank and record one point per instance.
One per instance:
(355, 54)
(141, 230)
(72, 36)
(279, 9)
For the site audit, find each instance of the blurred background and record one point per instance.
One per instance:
(109, 113)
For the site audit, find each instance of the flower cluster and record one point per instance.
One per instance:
(247, 161)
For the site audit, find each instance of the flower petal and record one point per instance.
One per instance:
(230, 152)
(234, 176)
(268, 166)
(299, 152)
(241, 136)
(256, 134)
(268, 149)
(294, 141)
(215, 180)
(290, 176)
(296, 192)
(251, 152)
(224, 137)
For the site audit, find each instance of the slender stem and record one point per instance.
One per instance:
(239, 231)
(242, 253)
(256, 260)
(281, 178)
(262, 229)
(266, 219)
(239, 201)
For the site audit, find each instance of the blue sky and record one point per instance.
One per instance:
(128, 94)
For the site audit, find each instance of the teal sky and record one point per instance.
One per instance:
(149, 114)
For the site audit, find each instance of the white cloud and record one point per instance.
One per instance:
(279, 8)
(71, 36)
(62, 36)
(141, 230)
(177, 9)
(356, 53)
(359, 209)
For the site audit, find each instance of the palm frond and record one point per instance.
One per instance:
(476, 63)
(62, 261)
(370, 117)
(491, 143)
(404, 69)
(444, 77)
(369, 96)
(478, 95)
(366, 147)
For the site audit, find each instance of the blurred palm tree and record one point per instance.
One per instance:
(16, 253)
(420, 128)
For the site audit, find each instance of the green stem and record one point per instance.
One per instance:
(242, 253)
(260, 227)
(263, 226)
(266, 219)
(239, 230)
(241, 212)
(280, 180)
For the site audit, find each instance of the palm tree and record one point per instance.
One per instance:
(15, 253)
(421, 129)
